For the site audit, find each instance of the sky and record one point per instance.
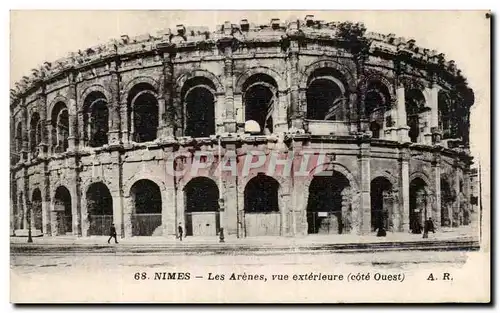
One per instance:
(463, 36)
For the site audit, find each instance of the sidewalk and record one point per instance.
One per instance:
(453, 234)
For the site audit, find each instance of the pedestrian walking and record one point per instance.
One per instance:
(428, 227)
(180, 231)
(112, 233)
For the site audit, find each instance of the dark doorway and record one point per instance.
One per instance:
(64, 213)
(381, 211)
(418, 205)
(325, 203)
(146, 217)
(36, 206)
(261, 195)
(202, 207)
(99, 209)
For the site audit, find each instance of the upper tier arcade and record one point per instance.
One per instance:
(299, 76)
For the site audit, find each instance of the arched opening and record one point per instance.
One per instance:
(60, 127)
(376, 104)
(415, 105)
(19, 137)
(143, 108)
(326, 96)
(146, 217)
(382, 204)
(198, 95)
(262, 212)
(64, 214)
(36, 207)
(418, 205)
(446, 203)
(202, 206)
(35, 132)
(99, 209)
(260, 98)
(446, 113)
(96, 119)
(328, 205)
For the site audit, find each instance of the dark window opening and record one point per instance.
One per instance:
(260, 98)
(415, 104)
(200, 113)
(96, 120)
(143, 111)
(35, 130)
(324, 100)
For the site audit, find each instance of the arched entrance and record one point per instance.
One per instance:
(446, 203)
(381, 202)
(418, 205)
(62, 207)
(327, 210)
(146, 215)
(262, 211)
(202, 207)
(99, 209)
(199, 104)
(36, 207)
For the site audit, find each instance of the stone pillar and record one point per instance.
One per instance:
(365, 204)
(431, 97)
(42, 102)
(401, 116)
(72, 110)
(54, 223)
(239, 110)
(167, 115)
(436, 169)
(231, 206)
(230, 121)
(114, 108)
(405, 188)
(280, 113)
(296, 115)
(168, 213)
(128, 209)
(346, 210)
(125, 122)
(117, 212)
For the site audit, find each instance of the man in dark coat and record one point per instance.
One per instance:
(428, 227)
(180, 230)
(112, 233)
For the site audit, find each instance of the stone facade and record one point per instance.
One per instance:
(92, 134)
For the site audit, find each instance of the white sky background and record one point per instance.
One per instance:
(37, 37)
